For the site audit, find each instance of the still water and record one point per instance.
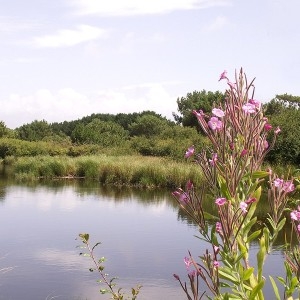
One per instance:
(144, 238)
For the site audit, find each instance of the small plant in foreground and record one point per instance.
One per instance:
(109, 283)
(240, 138)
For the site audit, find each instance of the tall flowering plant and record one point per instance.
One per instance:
(240, 137)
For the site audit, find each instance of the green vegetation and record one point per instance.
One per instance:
(194, 101)
(283, 111)
(119, 170)
(118, 137)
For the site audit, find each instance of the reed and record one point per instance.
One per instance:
(131, 170)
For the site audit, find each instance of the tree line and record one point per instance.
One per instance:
(148, 133)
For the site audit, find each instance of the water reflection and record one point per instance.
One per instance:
(144, 234)
(141, 235)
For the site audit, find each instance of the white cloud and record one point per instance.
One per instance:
(67, 37)
(217, 24)
(67, 104)
(138, 7)
(12, 24)
(148, 96)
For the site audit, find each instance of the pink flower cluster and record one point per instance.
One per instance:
(220, 201)
(190, 151)
(251, 107)
(214, 159)
(181, 196)
(286, 186)
(295, 216)
(218, 227)
(215, 123)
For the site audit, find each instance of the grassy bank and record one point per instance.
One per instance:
(119, 170)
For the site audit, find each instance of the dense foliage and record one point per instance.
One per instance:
(283, 111)
(146, 133)
(194, 101)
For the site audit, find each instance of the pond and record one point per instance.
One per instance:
(143, 234)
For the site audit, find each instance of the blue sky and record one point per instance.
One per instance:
(65, 59)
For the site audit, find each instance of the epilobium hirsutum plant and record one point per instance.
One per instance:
(109, 285)
(240, 138)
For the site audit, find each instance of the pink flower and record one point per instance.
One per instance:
(278, 182)
(243, 207)
(249, 108)
(288, 186)
(244, 152)
(218, 112)
(298, 228)
(190, 151)
(223, 76)
(218, 227)
(187, 262)
(215, 124)
(266, 144)
(250, 200)
(267, 127)
(192, 274)
(232, 85)
(216, 249)
(220, 201)
(231, 146)
(277, 130)
(216, 264)
(295, 215)
(256, 103)
(189, 185)
(214, 159)
(181, 196)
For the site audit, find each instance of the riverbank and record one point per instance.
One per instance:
(131, 170)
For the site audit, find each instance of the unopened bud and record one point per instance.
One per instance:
(176, 276)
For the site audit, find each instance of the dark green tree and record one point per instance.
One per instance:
(289, 101)
(284, 111)
(5, 131)
(194, 101)
(35, 131)
(148, 125)
(99, 132)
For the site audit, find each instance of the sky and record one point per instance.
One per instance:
(66, 59)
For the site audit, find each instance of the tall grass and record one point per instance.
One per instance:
(132, 170)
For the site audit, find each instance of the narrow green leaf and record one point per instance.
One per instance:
(223, 187)
(253, 236)
(281, 280)
(266, 234)
(256, 290)
(272, 223)
(224, 275)
(247, 273)
(261, 254)
(224, 284)
(96, 245)
(294, 282)
(257, 193)
(249, 225)
(259, 174)
(281, 224)
(275, 288)
(209, 216)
